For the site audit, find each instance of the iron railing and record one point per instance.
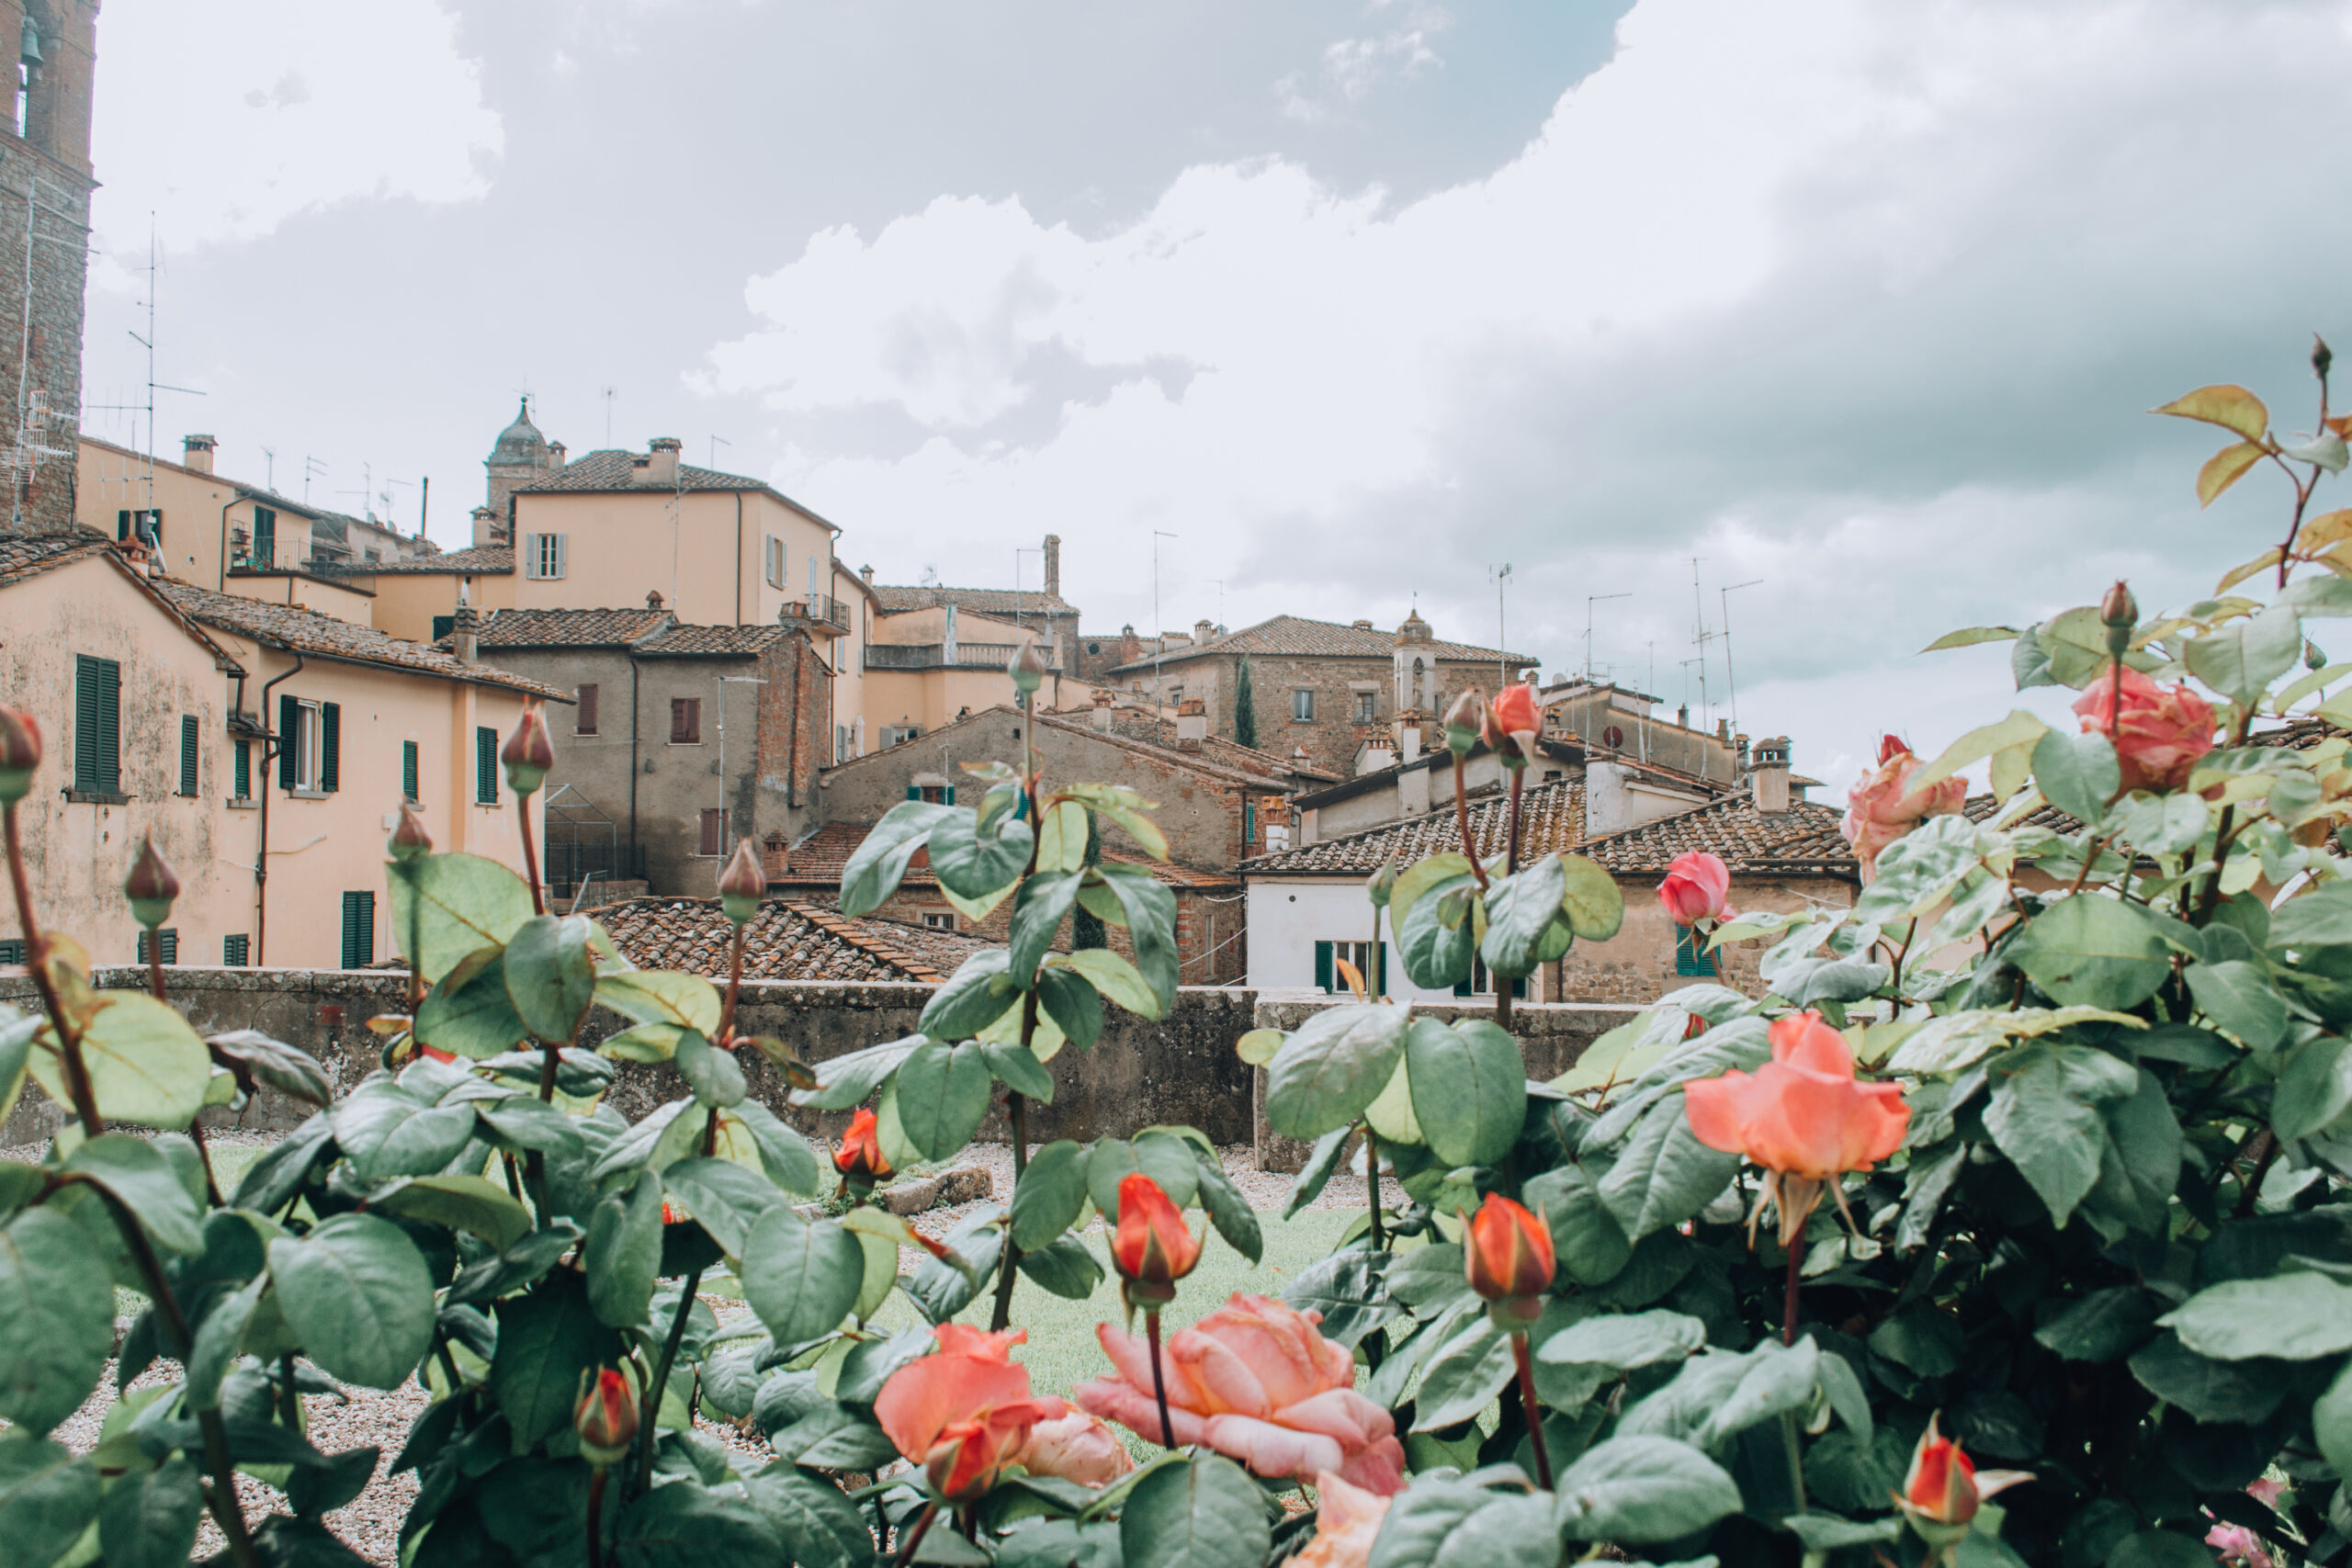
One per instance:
(934, 656)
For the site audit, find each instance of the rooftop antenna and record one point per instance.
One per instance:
(386, 496)
(1159, 638)
(1698, 638)
(269, 469)
(154, 270)
(311, 468)
(716, 443)
(1730, 683)
(1590, 600)
(607, 393)
(1501, 575)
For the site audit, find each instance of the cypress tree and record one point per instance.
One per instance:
(1245, 707)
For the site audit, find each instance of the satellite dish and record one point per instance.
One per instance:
(1613, 737)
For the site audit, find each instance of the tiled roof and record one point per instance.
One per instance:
(482, 560)
(307, 631)
(1804, 838)
(894, 599)
(787, 940)
(1984, 808)
(29, 555)
(1136, 726)
(683, 641)
(1551, 817)
(609, 467)
(818, 860)
(566, 629)
(1295, 636)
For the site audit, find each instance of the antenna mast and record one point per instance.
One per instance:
(1590, 600)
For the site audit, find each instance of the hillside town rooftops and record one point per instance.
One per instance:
(1804, 838)
(308, 632)
(1295, 636)
(1551, 817)
(482, 560)
(999, 604)
(789, 940)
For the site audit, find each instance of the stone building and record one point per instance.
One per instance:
(1044, 612)
(45, 183)
(1328, 690)
(682, 738)
(521, 457)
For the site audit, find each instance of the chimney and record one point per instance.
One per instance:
(1054, 565)
(486, 529)
(1409, 736)
(1203, 631)
(195, 452)
(555, 455)
(1101, 716)
(463, 641)
(866, 575)
(1682, 716)
(653, 599)
(1191, 723)
(661, 464)
(1361, 625)
(1771, 776)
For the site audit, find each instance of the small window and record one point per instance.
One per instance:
(773, 566)
(1482, 983)
(685, 721)
(486, 765)
(12, 950)
(1302, 706)
(358, 930)
(1329, 956)
(98, 725)
(242, 770)
(714, 832)
(191, 751)
(443, 625)
(940, 922)
(234, 949)
(408, 772)
(1249, 821)
(145, 526)
(815, 584)
(310, 745)
(264, 550)
(938, 794)
(1094, 648)
(543, 556)
(893, 734)
(583, 717)
(1689, 957)
(168, 939)
(1365, 707)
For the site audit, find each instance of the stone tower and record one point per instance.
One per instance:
(523, 456)
(45, 183)
(1417, 681)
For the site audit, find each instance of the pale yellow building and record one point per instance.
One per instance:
(418, 598)
(240, 733)
(928, 668)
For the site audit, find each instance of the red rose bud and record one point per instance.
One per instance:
(860, 1155)
(409, 840)
(1152, 1248)
(150, 887)
(1942, 1490)
(528, 754)
(743, 884)
(1027, 668)
(1695, 888)
(1517, 716)
(968, 1456)
(1507, 1252)
(19, 753)
(606, 1418)
(1464, 720)
(2119, 612)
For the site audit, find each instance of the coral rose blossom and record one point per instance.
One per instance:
(1076, 1447)
(860, 1155)
(1153, 1247)
(1883, 807)
(1347, 1520)
(1507, 1254)
(970, 1376)
(2159, 734)
(1695, 888)
(1257, 1382)
(1943, 1489)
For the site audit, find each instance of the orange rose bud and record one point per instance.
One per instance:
(860, 1155)
(743, 884)
(606, 1418)
(409, 840)
(528, 754)
(1518, 718)
(19, 753)
(151, 885)
(1942, 1490)
(1153, 1247)
(1507, 1252)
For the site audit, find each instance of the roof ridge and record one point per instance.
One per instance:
(1193, 758)
(845, 928)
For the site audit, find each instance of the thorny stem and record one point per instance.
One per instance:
(1533, 1411)
(1462, 820)
(1008, 1269)
(1789, 1295)
(2302, 491)
(1511, 868)
(2253, 1188)
(1372, 1185)
(914, 1535)
(1159, 1382)
(596, 1508)
(69, 1039)
(2222, 826)
(2090, 859)
(291, 1402)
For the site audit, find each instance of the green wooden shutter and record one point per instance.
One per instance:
(358, 930)
(171, 942)
(98, 725)
(1689, 958)
(122, 525)
(12, 950)
(245, 770)
(290, 740)
(951, 794)
(1380, 962)
(914, 792)
(443, 625)
(191, 748)
(330, 746)
(233, 950)
(1323, 971)
(408, 770)
(486, 765)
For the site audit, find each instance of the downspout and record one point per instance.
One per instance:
(739, 557)
(220, 578)
(261, 859)
(633, 728)
(792, 729)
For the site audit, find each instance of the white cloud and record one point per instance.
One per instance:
(1856, 298)
(226, 119)
(1352, 67)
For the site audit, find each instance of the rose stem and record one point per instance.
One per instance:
(1372, 1185)
(1531, 1409)
(1789, 1337)
(595, 1507)
(69, 1040)
(1016, 1104)
(734, 986)
(1462, 820)
(914, 1535)
(1511, 868)
(1789, 1297)
(659, 1386)
(1159, 1383)
(530, 854)
(194, 1123)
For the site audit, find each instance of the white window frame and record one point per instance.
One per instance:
(774, 564)
(1302, 705)
(936, 920)
(544, 557)
(306, 747)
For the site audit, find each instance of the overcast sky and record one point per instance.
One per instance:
(1357, 301)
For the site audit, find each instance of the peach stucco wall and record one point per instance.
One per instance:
(620, 546)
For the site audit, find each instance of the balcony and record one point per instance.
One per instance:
(934, 656)
(827, 616)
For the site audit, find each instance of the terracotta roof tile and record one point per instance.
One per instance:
(482, 560)
(1804, 838)
(29, 555)
(787, 940)
(609, 467)
(308, 631)
(997, 604)
(1296, 637)
(1551, 817)
(680, 641)
(1232, 753)
(566, 629)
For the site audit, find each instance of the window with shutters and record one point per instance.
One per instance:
(1249, 821)
(815, 584)
(1482, 983)
(408, 772)
(892, 734)
(1371, 966)
(1366, 707)
(168, 938)
(241, 769)
(583, 717)
(543, 556)
(685, 721)
(264, 550)
(938, 920)
(714, 832)
(192, 751)
(97, 726)
(310, 745)
(358, 930)
(1302, 706)
(938, 794)
(772, 564)
(145, 525)
(234, 949)
(1690, 957)
(12, 950)
(486, 765)
(330, 747)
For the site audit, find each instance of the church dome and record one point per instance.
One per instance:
(1415, 629)
(520, 443)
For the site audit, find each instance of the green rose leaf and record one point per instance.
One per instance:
(1468, 1082)
(145, 1063)
(468, 1013)
(973, 863)
(1519, 909)
(1016, 1067)
(682, 1526)
(2105, 1325)
(976, 996)
(1114, 977)
(2331, 1423)
(1064, 1268)
(881, 858)
(2296, 1317)
(1626, 1340)
(1643, 1489)
(357, 1294)
(2078, 774)
(1038, 909)
(551, 974)
(1150, 907)
(385, 1130)
(48, 1497)
(1168, 1160)
(1049, 1196)
(942, 1092)
(546, 1341)
(1467, 1372)
(56, 1319)
(2314, 1088)
(1322, 1163)
(136, 1172)
(1204, 1513)
(445, 906)
(465, 1204)
(1457, 1524)
(2090, 950)
(2207, 1389)
(826, 1530)
(846, 1081)
(623, 1251)
(1593, 903)
(1587, 1240)
(802, 1277)
(1437, 936)
(2044, 1115)
(2242, 659)
(147, 1519)
(2240, 998)
(1227, 1209)
(1332, 1067)
(1665, 1175)
(724, 1197)
(710, 1072)
(1074, 1004)
(661, 996)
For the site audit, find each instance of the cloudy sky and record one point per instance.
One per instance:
(1358, 299)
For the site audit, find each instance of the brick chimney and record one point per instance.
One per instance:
(195, 452)
(660, 464)
(1054, 565)
(1191, 723)
(463, 634)
(1203, 631)
(1771, 776)
(866, 575)
(1101, 716)
(486, 529)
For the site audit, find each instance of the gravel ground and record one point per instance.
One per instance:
(370, 1523)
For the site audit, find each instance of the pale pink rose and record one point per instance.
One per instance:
(2235, 1543)
(1079, 1448)
(1883, 807)
(2266, 1491)
(1257, 1382)
(2159, 734)
(1347, 1520)
(1695, 888)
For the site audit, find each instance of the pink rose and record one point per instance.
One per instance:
(1883, 807)
(2159, 735)
(2235, 1543)
(1347, 1520)
(1257, 1382)
(1078, 1447)
(1695, 886)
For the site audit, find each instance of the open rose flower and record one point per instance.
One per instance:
(1514, 716)
(2159, 734)
(1257, 1382)
(1347, 1520)
(964, 1411)
(1696, 887)
(1885, 806)
(1076, 1447)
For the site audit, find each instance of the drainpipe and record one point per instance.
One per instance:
(633, 730)
(792, 730)
(261, 859)
(739, 557)
(221, 579)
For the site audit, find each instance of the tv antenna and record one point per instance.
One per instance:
(269, 469)
(1730, 685)
(607, 393)
(716, 443)
(311, 468)
(1589, 601)
(1501, 574)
